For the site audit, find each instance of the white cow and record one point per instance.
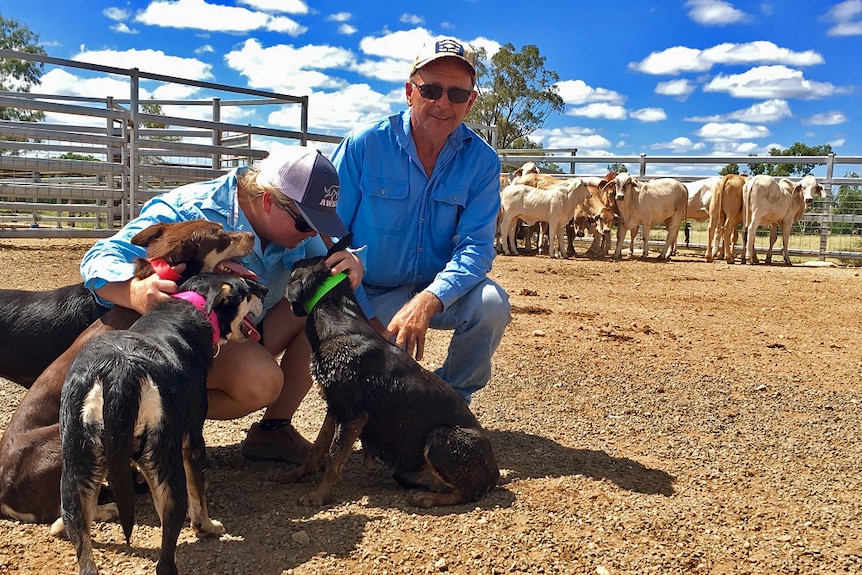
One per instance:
(555, 206)
(725, 214)
(770, 203)
(699, 197)
(646, 204)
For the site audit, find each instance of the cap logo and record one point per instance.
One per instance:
(330, 197)
(449, 46)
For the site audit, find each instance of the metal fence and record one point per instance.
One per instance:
(87, 169)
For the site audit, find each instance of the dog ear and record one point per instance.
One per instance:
(146, 236)
(342, 244)
(295, 295)
(218, 296)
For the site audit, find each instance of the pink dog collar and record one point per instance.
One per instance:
(199, 302)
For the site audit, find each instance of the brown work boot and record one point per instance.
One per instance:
(283, 444)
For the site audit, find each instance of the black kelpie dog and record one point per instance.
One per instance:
(404, 415)
(30, 446)
(37, 326)
(140, 396)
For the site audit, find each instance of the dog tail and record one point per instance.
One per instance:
(122, 403)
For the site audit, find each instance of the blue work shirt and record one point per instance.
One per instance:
(113, 259)
(434, 233)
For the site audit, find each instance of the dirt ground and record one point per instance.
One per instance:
(679, 417)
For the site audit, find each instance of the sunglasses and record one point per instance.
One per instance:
(298, 221)
(435, 92)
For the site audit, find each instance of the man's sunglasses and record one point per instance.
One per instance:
(298, 221)
(435, 92)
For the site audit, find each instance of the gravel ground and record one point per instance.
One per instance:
(678, 417)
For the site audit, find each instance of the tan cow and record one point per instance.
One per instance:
(595, 215)
(555, 206)
(646, 204)
(699, 197)
(770, 203)
(725, 214)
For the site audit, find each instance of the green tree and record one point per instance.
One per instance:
(729, 169)
(516, 94)
(18, 75)
(785, 170)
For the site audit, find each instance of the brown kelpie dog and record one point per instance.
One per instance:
(405, 415)
(30, 449)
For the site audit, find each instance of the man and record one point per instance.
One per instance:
(421, 190)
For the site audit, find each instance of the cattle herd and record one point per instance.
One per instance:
(532, 202)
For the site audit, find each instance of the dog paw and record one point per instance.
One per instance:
(424, 500)
(313, 499)
(209, 527)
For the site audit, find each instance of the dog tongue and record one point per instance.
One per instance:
(237, 269)
(250, 328)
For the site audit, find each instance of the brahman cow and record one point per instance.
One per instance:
(770, 203)
(555, 206)
(725, 214)
(699, 196)
(646, 204)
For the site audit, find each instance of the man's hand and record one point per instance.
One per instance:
(411, 323)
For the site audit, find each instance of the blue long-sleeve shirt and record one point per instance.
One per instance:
(437, 231)
(113, 259)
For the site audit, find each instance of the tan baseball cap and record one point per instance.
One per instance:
(445, 48)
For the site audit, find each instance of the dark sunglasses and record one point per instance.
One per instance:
(298, 221)
(435, 92)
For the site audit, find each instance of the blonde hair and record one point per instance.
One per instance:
(249, 184)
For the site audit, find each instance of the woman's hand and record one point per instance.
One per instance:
(348, 262)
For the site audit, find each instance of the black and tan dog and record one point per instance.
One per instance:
(37, 326)
(139, 395)
(404, 415)
(30, 447)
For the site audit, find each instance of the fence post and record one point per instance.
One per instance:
(827, 207)
(304, 121)
(134, 86)
(642, 166)
(216, 133)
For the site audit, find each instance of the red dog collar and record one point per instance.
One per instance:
(164, 271)
(199, 302)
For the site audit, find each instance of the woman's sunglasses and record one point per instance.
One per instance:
(434, 92)
(298, 221)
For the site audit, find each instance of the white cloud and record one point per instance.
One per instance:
(766, 112)
(679, 145)
(681, 89)
(599, 110)
(153, 61)
(846, 18)
(770, 82)
(114, 13)
(340, 17)
(287, 6)
(680, 59)
(337, 111)
(837, 143)
(830, 118)
(722, 132)
(286, 69)
(122, 28)
(411, 19)
(586, 141)
(715, 13)
(347, 29)
(205, 49)
(649, 114)
(577, 92)
(201, 15)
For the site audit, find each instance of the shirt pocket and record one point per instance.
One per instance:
(448, 201)
(385, 204)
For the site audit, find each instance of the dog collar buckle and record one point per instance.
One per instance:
(324, 289)
(199, 302)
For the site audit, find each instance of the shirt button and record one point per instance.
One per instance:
(382, 192)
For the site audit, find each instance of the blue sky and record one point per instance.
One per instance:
(669, 77)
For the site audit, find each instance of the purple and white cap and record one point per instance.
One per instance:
(309, 179)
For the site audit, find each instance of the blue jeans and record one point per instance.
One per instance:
(478, 319)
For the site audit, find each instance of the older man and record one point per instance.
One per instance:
(421, 190)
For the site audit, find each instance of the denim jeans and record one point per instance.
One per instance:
(478, 319)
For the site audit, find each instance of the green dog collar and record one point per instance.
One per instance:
(324, 289)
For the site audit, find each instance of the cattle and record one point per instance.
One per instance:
(770, 203)
(528, 174)
(530, 204)
(645, 204)
(725, 214)
(697, 209)
(595, 215)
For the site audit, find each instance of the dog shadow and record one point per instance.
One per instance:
(529, 456)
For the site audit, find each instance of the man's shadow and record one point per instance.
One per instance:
(530, 456)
